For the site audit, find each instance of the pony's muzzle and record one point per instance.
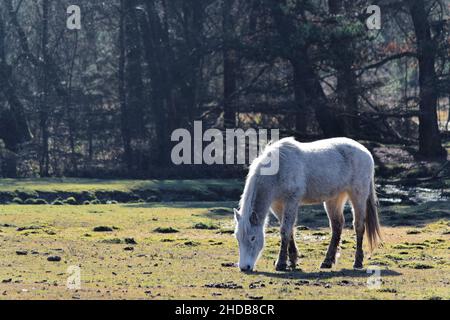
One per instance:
(246, 268)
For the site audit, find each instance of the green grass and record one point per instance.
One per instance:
(82, 191)
(198, 263)
(94, 185)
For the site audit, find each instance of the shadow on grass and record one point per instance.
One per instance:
(348, 273)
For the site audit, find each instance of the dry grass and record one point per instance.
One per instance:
(192, 263)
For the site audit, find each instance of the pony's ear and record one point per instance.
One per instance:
(237, 216)
(254, 218)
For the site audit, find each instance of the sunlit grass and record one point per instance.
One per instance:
(180, 265)
(80, 185)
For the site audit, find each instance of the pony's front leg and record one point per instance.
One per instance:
(359, 213)
(286, 232)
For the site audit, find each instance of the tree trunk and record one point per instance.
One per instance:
(194, 13)
(343, 59)
(229, 66)
(430, 144)
(71, 111)
(43, 108)
(307, 81)
(16, 130)
(54, 72)
(158, 55)
(314, 96)
(301, 116)
(126, 135)
(133, 98)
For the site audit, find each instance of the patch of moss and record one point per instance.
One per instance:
(388, 290)
(112, 241)
(415, 231)
(226, 231)
(394, 257)
(380, 262)
(204, 226)
(406, 246)
(417, 265)
(191, 244)
(103, 229)
(166, 230)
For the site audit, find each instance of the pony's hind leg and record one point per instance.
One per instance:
(359, 204)
(293, 251)
(287, 238)
(335, 213)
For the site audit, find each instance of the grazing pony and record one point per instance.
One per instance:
(328, 171)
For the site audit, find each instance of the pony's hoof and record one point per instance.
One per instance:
(358, 266)
(326, 265)
(293, 264)
(281, 267)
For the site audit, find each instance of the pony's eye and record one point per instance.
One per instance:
(253, 239)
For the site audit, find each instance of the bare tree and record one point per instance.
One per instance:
(430, 144)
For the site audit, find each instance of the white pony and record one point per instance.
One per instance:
(328, 171)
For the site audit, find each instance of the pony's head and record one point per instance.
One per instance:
(250, 236)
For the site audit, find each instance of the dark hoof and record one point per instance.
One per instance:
(293, 264)
(326, 265)
(281, 267)
(358, 266)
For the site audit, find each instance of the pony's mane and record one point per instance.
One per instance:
(248, 196)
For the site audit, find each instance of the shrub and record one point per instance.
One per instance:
(41, 202)
(88, 195)
(57, 203)
(71, 201)
(17, 201)
(152, 199)
(30, 201)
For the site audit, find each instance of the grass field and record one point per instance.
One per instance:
(187, 250)
(121, 190)
(93, 185)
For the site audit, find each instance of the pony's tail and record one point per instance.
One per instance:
(372, 222)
